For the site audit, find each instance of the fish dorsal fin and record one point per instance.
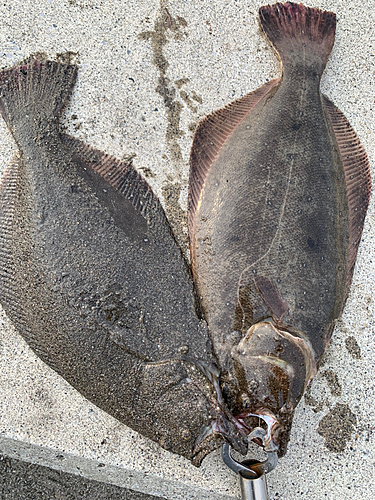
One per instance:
(12, 253)
(211, 135)
(8, 189)
(7, 193)
(120, 175)
(8, 202)
(357, 179)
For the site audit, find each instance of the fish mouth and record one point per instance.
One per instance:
(224, 428)
(266, 438)
(236, 432)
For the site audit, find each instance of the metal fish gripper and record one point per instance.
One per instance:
(252, 473)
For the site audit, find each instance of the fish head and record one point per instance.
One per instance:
(272, 368)
(181, 399)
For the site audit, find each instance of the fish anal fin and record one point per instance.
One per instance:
(211, 135)
(357, 179)
(122, 176)
(272, 297)
(109, 167)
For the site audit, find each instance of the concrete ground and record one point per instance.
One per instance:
(26, 481)
(149, 70)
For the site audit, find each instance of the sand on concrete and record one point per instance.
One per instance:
(148, 71)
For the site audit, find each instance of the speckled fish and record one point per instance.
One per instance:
(279, 188)
(92, 278)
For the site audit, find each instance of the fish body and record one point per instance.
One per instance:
(279, 188)
(92, 277)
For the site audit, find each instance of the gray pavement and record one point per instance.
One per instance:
(26, 481)
(149, 71)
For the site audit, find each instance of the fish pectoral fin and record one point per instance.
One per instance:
(177, 398)
(250, 308)
(258, 299)
(134, 341)
(272, 297)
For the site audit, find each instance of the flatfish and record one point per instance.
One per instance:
(279, 188)
(92, 278)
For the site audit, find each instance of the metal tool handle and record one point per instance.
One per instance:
(254, 489)
(252, 474)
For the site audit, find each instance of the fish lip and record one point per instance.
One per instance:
(223, 428)
(270, 441)
(235, 431)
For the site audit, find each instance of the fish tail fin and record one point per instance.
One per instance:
(299, 32)
(36, 88)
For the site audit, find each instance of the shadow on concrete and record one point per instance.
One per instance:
(25, 481)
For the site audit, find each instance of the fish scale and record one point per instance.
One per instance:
(294, 182)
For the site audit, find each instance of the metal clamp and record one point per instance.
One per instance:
(252, 473)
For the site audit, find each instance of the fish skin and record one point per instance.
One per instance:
(271, 225)
(92, 278)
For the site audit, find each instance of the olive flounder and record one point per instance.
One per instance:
(92, 277)
(279, 188)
